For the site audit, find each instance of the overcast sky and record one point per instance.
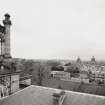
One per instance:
(56, 29)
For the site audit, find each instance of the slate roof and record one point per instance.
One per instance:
(36, 95)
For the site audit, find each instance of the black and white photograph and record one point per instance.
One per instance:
(52, 52)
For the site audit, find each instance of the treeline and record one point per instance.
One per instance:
(39, 69)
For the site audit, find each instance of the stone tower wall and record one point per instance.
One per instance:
(7, 25)
(7, 41)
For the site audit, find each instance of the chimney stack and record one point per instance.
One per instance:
(58, 98)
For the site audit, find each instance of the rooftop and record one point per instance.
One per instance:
(36, 95)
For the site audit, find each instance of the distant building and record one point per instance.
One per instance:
(93, 61)
(60, 75)
(78, 60)
(79, 80)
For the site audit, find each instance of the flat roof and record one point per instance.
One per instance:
(37, 95)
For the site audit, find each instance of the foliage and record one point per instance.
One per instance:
(57, 68)
(81, 87)
(73, 70)
(53, 63)
(40, 75)
(60, 87)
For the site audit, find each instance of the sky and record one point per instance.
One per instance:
(56, 29)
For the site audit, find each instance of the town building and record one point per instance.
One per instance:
(62, 75)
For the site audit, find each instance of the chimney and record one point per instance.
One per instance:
(58, 98)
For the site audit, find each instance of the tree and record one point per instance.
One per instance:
(53, 63)
(28, 66)
(40, 75)
(13, 66)
(74, 71)
(60, 87)
(81, 87)
(57, 68)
